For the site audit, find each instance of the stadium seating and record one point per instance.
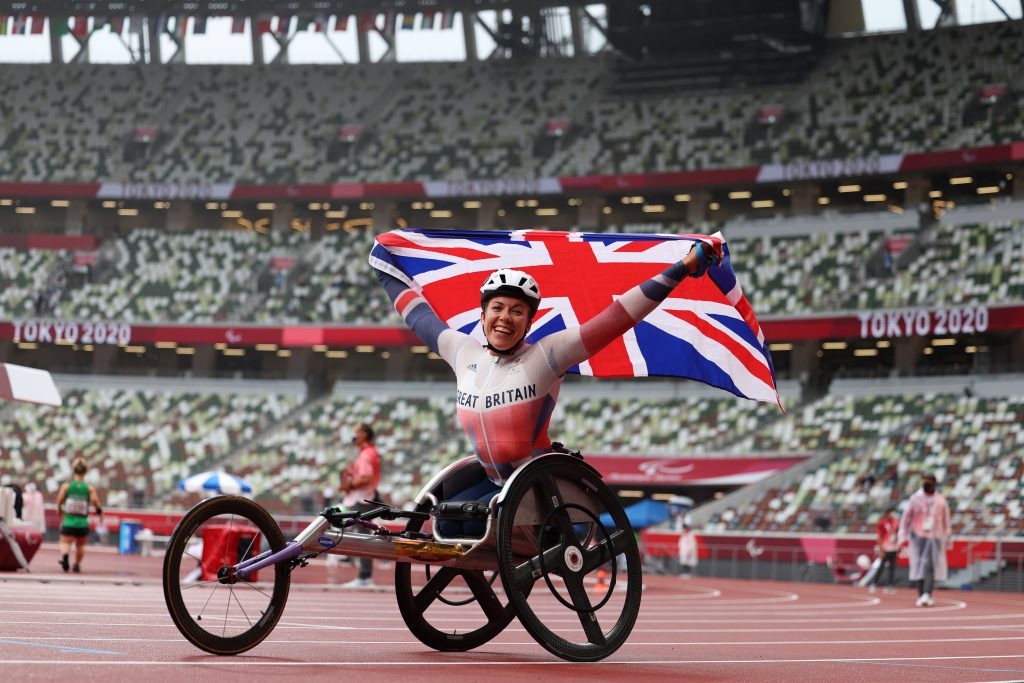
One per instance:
(26, 277)
(971, 443)
(153, 275)
(450, 121)
(141, 441)
(211, 275)
(291, 466)
(980, 255)
(331, 282)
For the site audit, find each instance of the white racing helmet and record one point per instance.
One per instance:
(515, 283)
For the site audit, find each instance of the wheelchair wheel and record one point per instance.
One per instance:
(550, 529)
(451, 610)
(224, 617)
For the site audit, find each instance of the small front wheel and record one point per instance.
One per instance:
(218, 613)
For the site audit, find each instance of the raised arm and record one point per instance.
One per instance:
(420, 317)
(572, 346)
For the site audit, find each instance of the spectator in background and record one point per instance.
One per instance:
(73, 501)
(888, 549)
(19, 500)
(34, 511)
(925, 526)
(687, 551)
(359, 482)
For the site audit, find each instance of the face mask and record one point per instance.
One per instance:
(929, 488)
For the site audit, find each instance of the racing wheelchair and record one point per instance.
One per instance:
(556, 538)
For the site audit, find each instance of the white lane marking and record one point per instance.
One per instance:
(630, 643)
(242, 661)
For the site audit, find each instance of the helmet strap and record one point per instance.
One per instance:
(512, 349)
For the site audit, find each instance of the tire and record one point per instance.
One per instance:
(550, 530)
(223, 618)
(435, 598)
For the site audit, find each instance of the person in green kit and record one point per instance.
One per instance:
(73, 501)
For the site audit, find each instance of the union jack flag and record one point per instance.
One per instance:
(705, 330)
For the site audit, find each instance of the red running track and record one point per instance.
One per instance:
(110, 624)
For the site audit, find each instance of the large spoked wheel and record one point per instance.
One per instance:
(216, 612)
(451, 610)
(550, 530)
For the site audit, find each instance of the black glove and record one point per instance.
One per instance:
(99, 510)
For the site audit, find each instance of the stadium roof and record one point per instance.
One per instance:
(254, 7)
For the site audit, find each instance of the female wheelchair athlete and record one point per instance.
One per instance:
(549, 523)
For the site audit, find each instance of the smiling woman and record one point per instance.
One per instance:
(508, 301)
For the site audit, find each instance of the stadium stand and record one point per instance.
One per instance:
(980, 254)
(330, 281)
(155, 276)
(879, 442)
(869, 96)
(275, 124)
(32, 281)
(213, 275)
(141, 441)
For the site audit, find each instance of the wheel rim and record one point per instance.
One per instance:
(557, 504)
(217, 611)
(449, 609)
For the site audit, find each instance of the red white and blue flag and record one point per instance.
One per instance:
(705, 330)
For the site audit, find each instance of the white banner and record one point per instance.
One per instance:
(829, 168)
(165, 191)
(492, 188)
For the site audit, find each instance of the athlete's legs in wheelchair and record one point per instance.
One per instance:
(483, 491)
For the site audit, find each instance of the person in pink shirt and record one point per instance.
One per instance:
(888, 549)
(925, 527)
(359, 482)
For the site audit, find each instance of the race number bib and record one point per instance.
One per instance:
(928, 524)
(76, 506)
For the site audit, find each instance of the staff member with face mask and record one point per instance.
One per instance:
(925, 525)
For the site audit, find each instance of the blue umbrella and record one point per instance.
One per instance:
(643, 514)
(221, 482)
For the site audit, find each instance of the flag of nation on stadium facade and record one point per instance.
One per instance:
(199, 25)
(38, 24)
(427, 19)
(3, 24)
(19, 24)
(238, 24)
(262, 25)
(116, 25)
(408, 22)
(341, 23)
(448, 19)
(81, 27)
(367, 21)
(705, 330)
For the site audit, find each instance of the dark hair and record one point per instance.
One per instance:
(929, 477)
(78, 465)
(367, 429)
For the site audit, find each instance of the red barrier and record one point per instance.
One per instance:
(28, 540)
(224, 543)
